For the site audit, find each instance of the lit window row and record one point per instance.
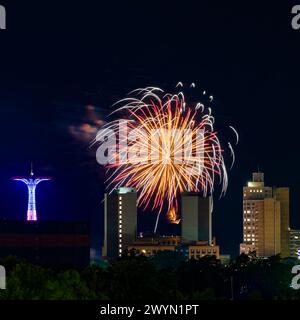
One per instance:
(120, 226)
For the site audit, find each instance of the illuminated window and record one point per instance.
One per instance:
(120, 207)
(120, 245)
(120, 198)
(120, 202)
(120, 250)
(120, 221)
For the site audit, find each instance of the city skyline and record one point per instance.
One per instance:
(169, 131)
(270, 232)
(59, 85)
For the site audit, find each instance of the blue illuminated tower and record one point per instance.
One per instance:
(31, 183)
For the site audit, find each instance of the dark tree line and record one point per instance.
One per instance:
(166, 276)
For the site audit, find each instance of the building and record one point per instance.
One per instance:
(200, 249)
(247, 248)
(294, 243)
(120, 221)
(283, 196)
(225, 259)
(149, 246)
(193, 249)
(46, 243)
(196, 220)
(265, 218)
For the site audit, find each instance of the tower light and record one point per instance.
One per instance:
(31, 183)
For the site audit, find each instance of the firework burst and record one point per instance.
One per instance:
(167, 146)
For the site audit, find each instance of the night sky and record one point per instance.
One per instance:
(57, 59)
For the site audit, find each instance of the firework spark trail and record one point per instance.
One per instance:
(151, 168)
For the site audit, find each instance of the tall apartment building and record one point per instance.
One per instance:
(120, 221)
(265, 218)
(196, 224)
